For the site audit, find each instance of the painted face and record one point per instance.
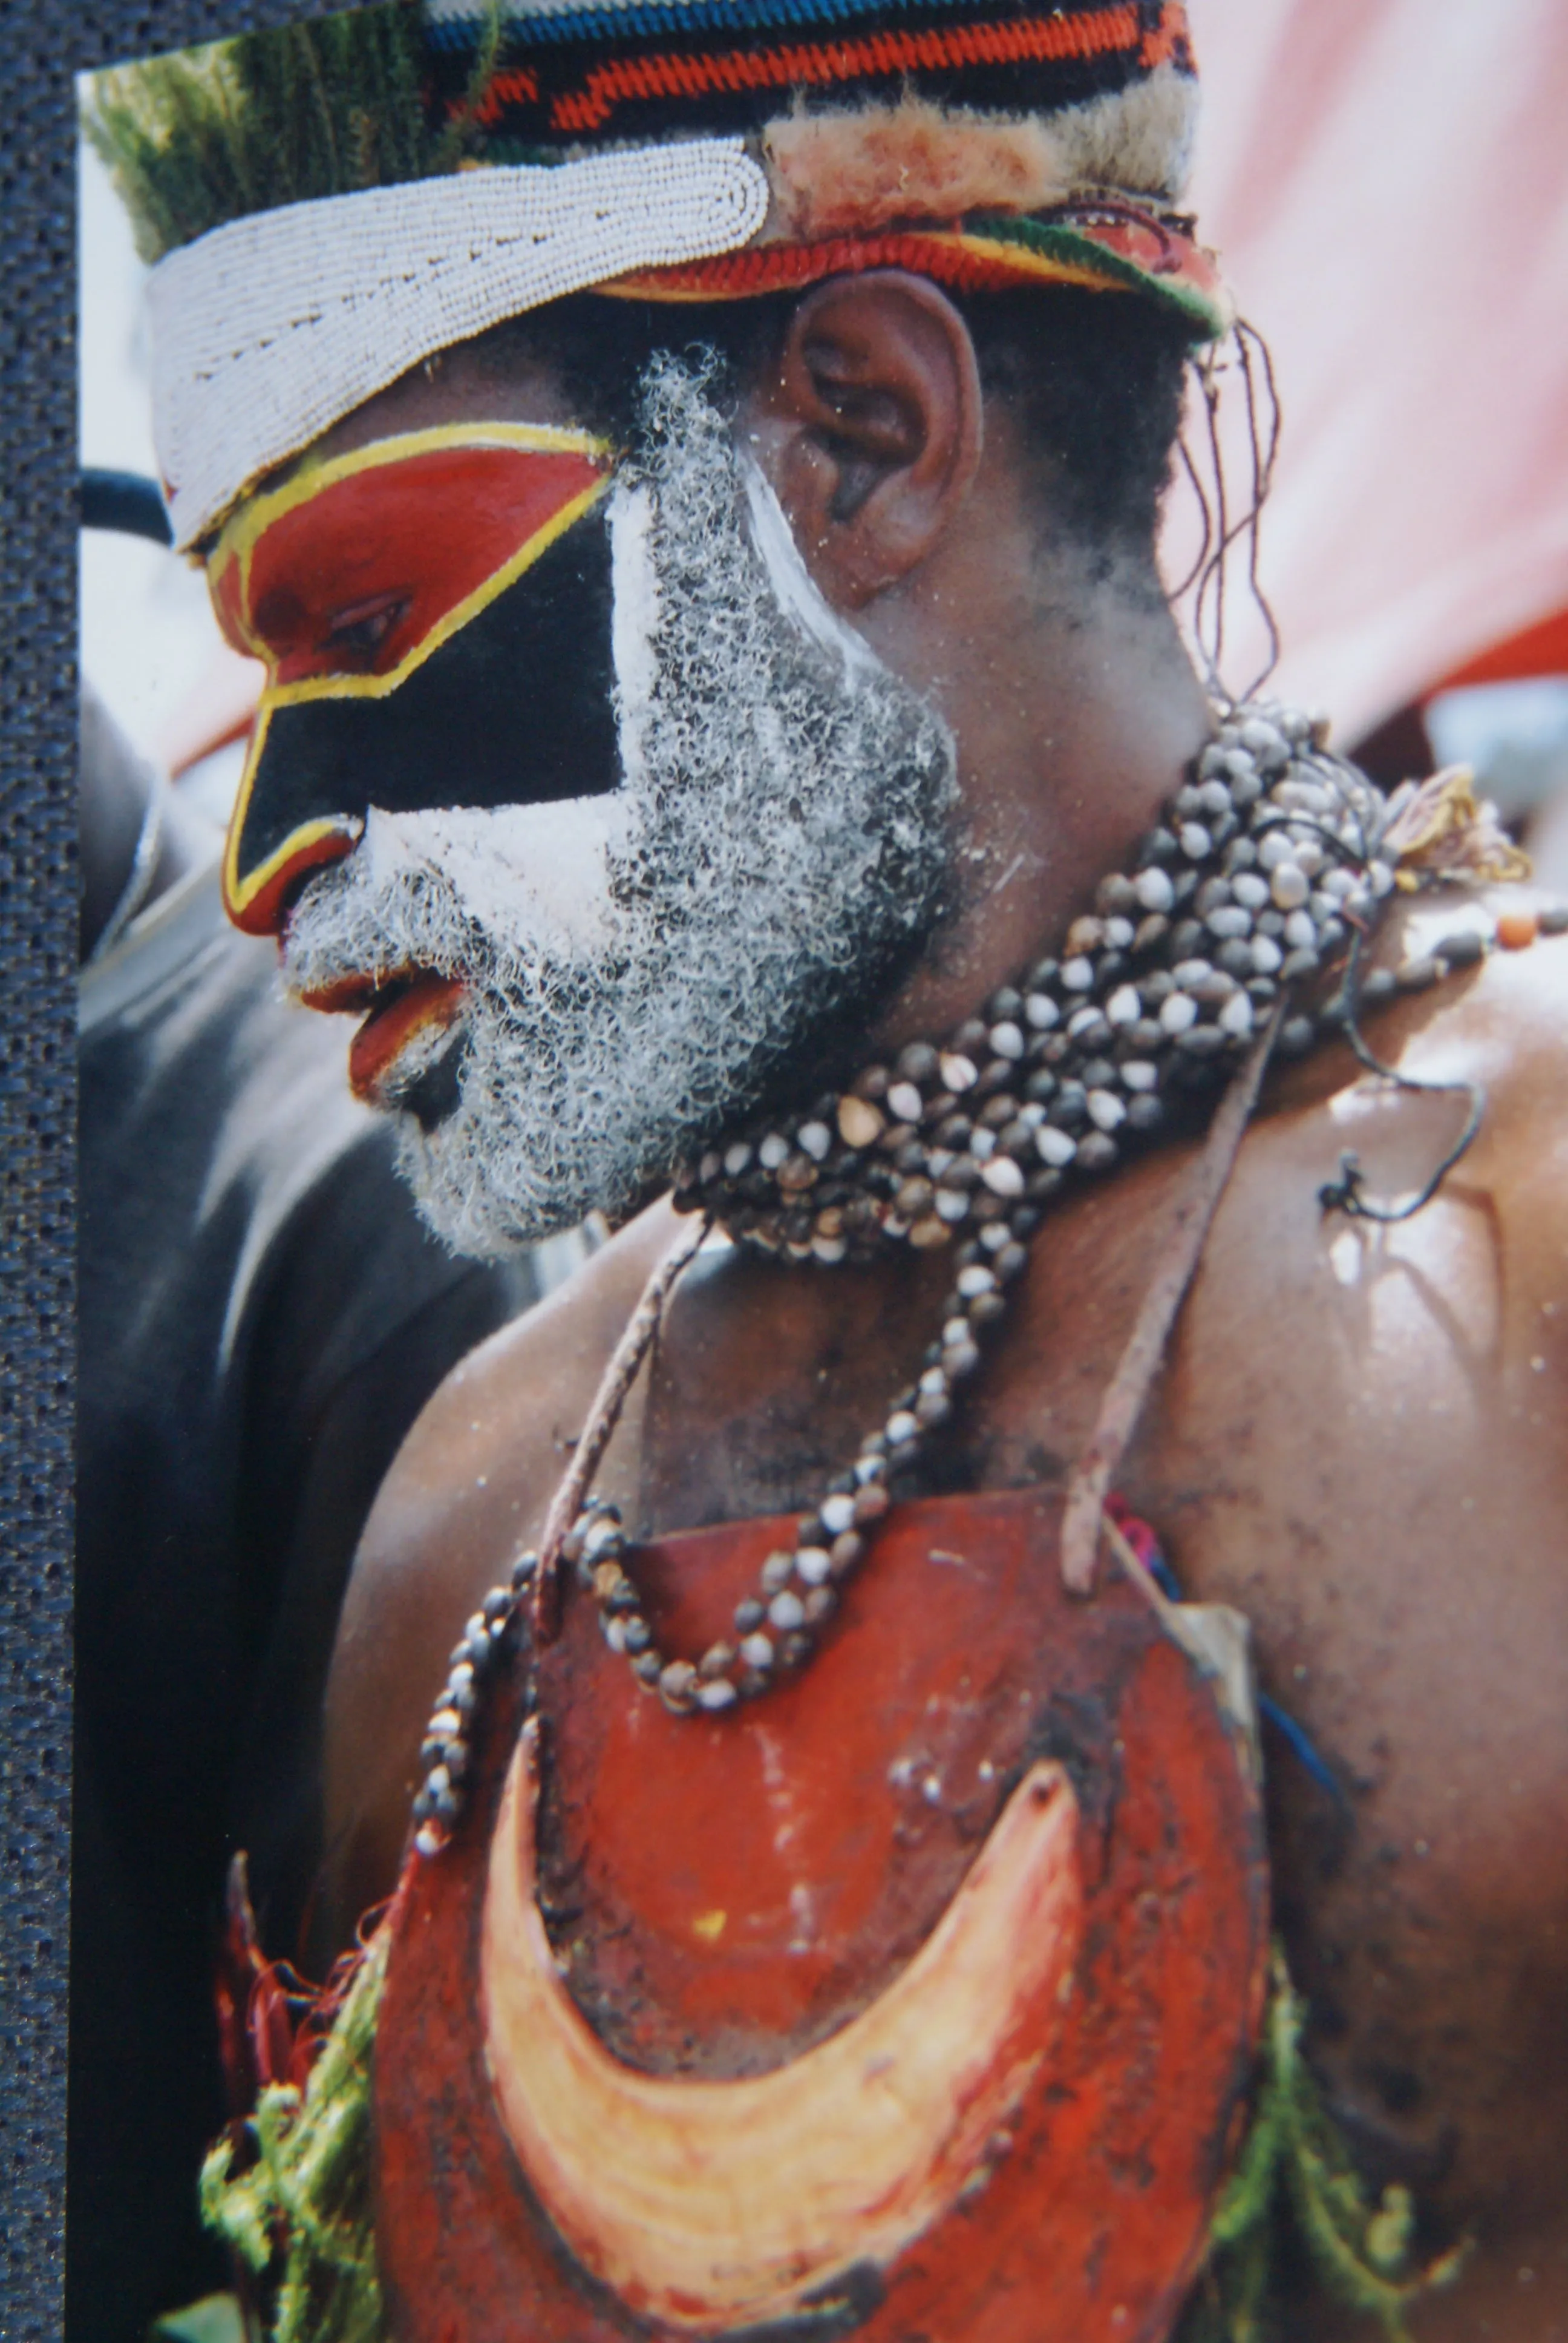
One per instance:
(448, 589)
(644, 858)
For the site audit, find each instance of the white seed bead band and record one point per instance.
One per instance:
(269, 330)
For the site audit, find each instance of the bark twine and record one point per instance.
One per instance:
(602, 1418)
(1140, 1363)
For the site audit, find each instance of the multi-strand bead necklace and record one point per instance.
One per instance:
(1261, 872)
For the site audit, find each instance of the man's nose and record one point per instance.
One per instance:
(296, 811)
(257, 899)
(301, 807)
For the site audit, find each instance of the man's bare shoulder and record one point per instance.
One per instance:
(1502, 1026)
(1493, 1241)
(520, 1396)
(1463, 1304)
(468, 1491)
(1517, 995)
(1501, 1022)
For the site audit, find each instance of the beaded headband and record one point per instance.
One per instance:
(690, 150)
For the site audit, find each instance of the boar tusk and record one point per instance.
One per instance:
(706, 2206)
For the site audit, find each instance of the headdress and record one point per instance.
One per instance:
(671, 150)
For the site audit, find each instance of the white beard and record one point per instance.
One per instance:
(643, 968)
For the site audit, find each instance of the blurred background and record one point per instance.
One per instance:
(150, 649)
(1387, 184)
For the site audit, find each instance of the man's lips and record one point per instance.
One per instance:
(403, 1007)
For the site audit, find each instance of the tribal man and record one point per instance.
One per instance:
(725, 738)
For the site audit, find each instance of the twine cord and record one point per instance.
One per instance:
(614, 1384)
(1122, 1405)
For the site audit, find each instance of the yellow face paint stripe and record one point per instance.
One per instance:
(376, 686)
(315, 473)
(244, 531)
(239, 894)
(251, 521)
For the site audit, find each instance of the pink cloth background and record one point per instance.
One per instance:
(1386, 182)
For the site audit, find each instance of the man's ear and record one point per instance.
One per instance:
(868, 427)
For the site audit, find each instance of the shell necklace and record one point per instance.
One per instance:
(1267, 868)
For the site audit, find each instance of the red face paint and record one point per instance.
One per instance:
(346, 581)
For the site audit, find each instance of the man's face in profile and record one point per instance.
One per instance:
(635, 821)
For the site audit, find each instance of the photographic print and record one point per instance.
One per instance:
(823, 1261)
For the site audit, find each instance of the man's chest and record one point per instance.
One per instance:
(1348, 1443)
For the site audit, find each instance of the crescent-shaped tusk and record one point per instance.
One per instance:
(708, 2206)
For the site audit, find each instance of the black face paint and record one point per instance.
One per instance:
(513, 709)
(436, 614)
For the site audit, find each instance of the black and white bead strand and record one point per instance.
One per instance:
(446, 1752)
(797, 1591)
(1313, 825)
(1248, 885)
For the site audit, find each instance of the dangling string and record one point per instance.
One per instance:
(1253, 352)
(1208, 582)
(1178, 593)
(1212, 577)
(619, 1374)
(1207, 579)
(1344, 1195)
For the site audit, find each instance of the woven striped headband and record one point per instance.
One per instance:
(691, 150)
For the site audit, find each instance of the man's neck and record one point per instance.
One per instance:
(1070, 738)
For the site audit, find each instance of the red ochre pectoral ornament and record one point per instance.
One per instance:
(918, 1999)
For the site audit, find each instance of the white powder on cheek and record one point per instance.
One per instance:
(635, 619)
(798, 596)
(539, 868)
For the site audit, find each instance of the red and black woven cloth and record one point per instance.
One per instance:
(670, 67)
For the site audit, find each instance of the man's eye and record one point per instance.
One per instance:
(359, 632)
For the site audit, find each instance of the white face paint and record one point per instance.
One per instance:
(541, 868)
(798, 596)
(641, 969)
(634, 619)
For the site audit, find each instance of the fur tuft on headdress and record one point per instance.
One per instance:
(857, 170)
(835, 174)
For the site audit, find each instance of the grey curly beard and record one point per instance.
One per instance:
(645, 968)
